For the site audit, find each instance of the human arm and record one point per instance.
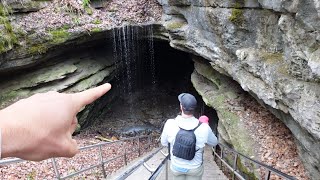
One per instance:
(164, 134)
(212, 139)
(41, 126)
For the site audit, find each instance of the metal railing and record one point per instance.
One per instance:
(102, 161)
(154, 172)
(234, 169)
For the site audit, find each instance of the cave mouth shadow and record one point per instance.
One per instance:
(155, 83)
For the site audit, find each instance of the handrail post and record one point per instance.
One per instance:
(221, 154)
(102, 164)
(268, 175)
(139, 152)
(55, 167)
(214, 153)
(234, 166)
(125, 156)
(167, 169)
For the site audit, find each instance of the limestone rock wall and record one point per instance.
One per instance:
(70, 73)
(271, 48)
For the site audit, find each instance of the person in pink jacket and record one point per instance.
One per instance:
(204, 119)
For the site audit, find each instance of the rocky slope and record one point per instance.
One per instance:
(271, 48)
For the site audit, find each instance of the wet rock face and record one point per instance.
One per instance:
(271, 48)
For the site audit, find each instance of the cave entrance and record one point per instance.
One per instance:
(149, 76)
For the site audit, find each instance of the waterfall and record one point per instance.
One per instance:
(115, 55)
(151, 53)
(127, 57)
(133, 51)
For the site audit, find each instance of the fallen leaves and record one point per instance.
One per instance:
(274, 139)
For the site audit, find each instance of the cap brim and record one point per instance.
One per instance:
(179, 97)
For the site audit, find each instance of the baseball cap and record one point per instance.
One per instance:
(188, 101)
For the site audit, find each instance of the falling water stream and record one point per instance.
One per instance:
(133, 50)
(151, 53)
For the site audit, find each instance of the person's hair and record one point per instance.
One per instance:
(188, 112)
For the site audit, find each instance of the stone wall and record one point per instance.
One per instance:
(271, 48)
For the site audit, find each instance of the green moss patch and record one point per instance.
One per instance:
(8, 38)
(237, 12)
(4, 10)
(86, 3)
(97, 21)
(38, 49)
(174, 25)
(236, 17)
(59, 36)
(96, 29)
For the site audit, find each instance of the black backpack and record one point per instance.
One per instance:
(185, 144)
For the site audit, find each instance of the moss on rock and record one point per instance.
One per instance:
(4, 10)
(8, 38)
(237, 12)
(59, 36)
(38, 49)
(96, 29)
(236, 16)
(54, 37)
(97, 21)
(174, 25)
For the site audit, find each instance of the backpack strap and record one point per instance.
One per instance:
(190, 129)
(196, 127)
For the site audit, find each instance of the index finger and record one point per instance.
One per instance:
(88, 96)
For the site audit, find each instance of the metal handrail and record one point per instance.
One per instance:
(101, 163)
(136, 166)
(233, 168)
(156, 173)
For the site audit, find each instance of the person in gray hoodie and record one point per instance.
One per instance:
(183, 169)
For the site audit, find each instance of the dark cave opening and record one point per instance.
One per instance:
(146, 88)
